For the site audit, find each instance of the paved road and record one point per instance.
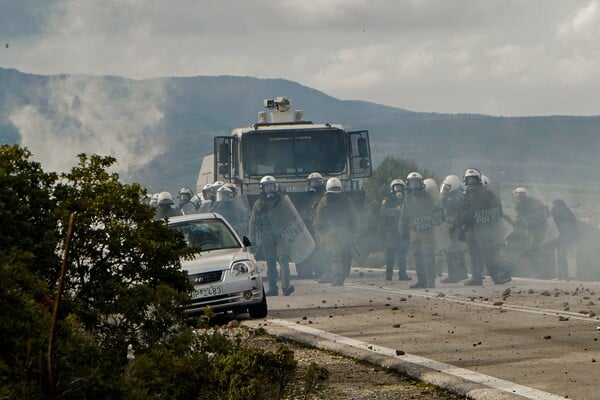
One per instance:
(525, 339)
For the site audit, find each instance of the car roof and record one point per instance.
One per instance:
(194, 217)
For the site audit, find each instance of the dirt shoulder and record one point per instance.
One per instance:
(351, 379)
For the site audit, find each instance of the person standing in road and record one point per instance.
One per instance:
(532, 221)
(421, 215)
(395, 235)
(272, 246)
(480, 215)
(566, 248)
(452, 196)
(335, 224)
(316, 189)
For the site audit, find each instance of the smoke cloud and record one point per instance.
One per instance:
(105, 116)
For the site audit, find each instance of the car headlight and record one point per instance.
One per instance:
(242, 267)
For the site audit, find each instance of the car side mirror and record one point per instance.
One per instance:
(246, 242)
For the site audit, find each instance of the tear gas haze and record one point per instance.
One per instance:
(105, 116)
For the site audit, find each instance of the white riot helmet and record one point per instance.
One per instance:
(185, 193)
(268, 184)
(519, 192)
(485, 180)
(414, 181)
(472, 177)
(430, 185)
(165, 199)
(208, 192)
(397, 186)
(232, 188)
(154, 200)
(314, 179)
(450, 184)
(216, 185)
(225, 193)
(334, 185)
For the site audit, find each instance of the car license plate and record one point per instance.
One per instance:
(209, 291)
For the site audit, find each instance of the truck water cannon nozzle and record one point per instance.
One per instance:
(279, 103)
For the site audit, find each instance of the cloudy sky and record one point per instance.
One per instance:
(499, 57)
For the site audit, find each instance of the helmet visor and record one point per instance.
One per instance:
(269, 187)
(415, 184)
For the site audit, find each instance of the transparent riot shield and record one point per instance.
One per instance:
(441, 234)
(288, 224)
(236, 211)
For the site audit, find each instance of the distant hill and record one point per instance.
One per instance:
(159, 129)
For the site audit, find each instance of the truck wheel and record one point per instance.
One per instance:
(259, 310)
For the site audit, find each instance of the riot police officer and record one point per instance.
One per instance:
(316, 262)
(185, 201)
(532, 221)
(273, 248)
(421, 215)
(208, 198)
(335, 223)
(165, 206)
(480, 215)
(566, 244)
(395, 235)
(234, 208)
(451, 192)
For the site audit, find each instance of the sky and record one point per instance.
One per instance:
(496, 57)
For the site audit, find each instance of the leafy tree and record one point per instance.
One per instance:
(28, 269)
(124, 284)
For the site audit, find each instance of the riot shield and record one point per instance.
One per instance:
(236, 211)
(288, 224)
(441, 234)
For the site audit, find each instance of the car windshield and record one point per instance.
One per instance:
(298, 152)
(207, 234)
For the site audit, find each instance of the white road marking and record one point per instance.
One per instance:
(454, 299)
(468, 375)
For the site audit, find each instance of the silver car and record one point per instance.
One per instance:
(225, 275)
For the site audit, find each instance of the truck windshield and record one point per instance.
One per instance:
(298, 152)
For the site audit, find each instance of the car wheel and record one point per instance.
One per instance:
(259, 310)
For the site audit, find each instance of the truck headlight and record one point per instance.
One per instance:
(242, 267)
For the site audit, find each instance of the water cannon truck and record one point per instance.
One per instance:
(285, 145)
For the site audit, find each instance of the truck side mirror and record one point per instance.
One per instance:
(224, 153)
(361, 143)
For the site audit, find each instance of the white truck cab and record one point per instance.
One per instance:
(283, 144)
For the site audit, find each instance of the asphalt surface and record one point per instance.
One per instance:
(528, 338)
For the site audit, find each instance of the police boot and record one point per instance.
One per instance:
(476, 279)
(421, 274)
(430, 270)
(500, 278)
(389, 272)
(402, 275)
(286, 288)
(389, 265)
(272, 278)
